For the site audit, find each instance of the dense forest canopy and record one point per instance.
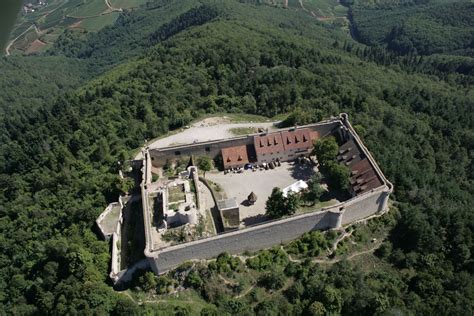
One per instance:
(69, 115)
(416, 27)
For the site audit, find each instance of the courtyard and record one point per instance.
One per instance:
(261, 182)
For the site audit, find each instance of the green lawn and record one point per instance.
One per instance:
(97, 23)
(88, 8)
(325, 7)
(243, 130)
(176, 194)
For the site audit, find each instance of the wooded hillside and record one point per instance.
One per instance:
(163, 65)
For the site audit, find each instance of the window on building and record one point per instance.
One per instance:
(208, 148)
(177, 153)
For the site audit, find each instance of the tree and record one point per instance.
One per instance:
(204, 163)
(273, 280)
(125, 185)
(209, 311)
(292, 202)
(315, 190)
(301, 116)
(326, 149)
(193, 279)
(147, 281)
(275, 204)
(317, 309)
(337, 175)
(332, 299)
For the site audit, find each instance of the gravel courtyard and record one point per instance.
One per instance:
(261, 182)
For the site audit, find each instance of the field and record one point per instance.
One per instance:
(92, 8)
(53, 18)
(96, 23)
(127, 4)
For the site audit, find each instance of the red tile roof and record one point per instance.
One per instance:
(314, 135)
(363, 177)
(269, 143)
(297, 139)
(235, 156)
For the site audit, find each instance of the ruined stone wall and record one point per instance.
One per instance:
(249, 239)
(115, 271)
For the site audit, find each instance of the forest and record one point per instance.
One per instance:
(67, 116)
(415, 27)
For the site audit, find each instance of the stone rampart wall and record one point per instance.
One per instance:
(275, 232)
(272, 233)
(364, 206)
(213, 148)
(249, 239)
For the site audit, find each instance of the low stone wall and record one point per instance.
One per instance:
(116, 247)
(101, 217)
(250, 239)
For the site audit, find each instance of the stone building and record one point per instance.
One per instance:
(235, 157)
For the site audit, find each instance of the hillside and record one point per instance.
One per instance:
(419, 27)
(39, 24)
(160, 67)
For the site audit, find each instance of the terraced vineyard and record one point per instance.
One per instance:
(52, 18)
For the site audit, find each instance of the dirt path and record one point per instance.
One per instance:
(111, 8)
(140, 302)
(374, 247)
(247, 291)
(7, 49)
(302, 6)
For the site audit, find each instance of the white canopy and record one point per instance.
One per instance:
(296, 187)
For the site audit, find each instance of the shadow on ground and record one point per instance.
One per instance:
(302, 171)
(257, 219)
(341, 196)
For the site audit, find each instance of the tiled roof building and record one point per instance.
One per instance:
(236, 156)
(363, 175)
(268, 147)
(297, 140)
